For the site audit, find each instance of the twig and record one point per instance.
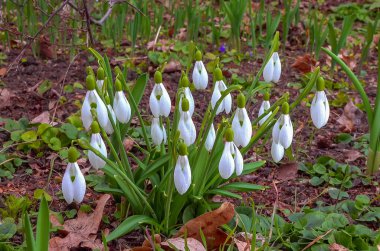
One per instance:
(17, 59)
(88, 22)
(156, 38)
(274, 212)
(316, 240)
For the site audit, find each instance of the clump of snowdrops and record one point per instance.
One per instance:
(182, 166)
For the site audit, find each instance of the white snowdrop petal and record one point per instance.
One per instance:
(226, 163)
(238, 160)
(268, 70)
(227, 103)
(67, 185)
(318, 111)
(109, 128)
(277, 152)
(286, 133)
(153, 103)
(101, 111)
(210, 138)
(121, 107)
(98, 143)
(100, 83)
(265, 105)
(164, 102)
(182, 175)
(79, 185)
(86, 112)
(156, 132)
(276, 68)
(215, 97)
(186, 128)
(200, 76)
(189, 97)
(276, 130)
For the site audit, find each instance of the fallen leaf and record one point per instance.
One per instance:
(3, 71)
(82, 231)
(128, 144)
(242, 245)
(351, 117)
(352, 155)
(179, 244)
(287, 171)
(172, 66)
(45, 48)
(209, 224)
(42, 118)
(5, 98)
(304, 63)
(337, 247)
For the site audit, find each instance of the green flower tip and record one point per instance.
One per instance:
(218, 74)
(117, 70)
(158, 77)
(90, 71)
(107, 99)
(95, 127)
(100, 73)
(118, 85)
(198, 55)
(93, 105)
(266, 96)
(241, 100)
(182, 149)
(320, 84)
(285, 108)
(185, 104)
(90, 82)
(73, 154)
(185, 81)
(229, 134)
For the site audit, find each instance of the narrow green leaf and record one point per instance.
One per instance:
(43, 227)
(224, 193)
(29, 238)
(242, 187)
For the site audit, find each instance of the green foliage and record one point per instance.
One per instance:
(13, 206)
(235, 10)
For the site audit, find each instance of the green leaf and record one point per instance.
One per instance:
(242, 187)
(130, 224)
(344, 138)
(319, 168)
(29, 236)
(55, 143)
(29, 136)
(40, 193)
(337, 194)
(316, 181)
(70, 130)
(225, 193)
(8, 228)
(16, 135)
(43, 226)
(44, 87)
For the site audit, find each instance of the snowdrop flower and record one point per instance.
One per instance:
(272, 70)
(277, 151)
(210, 138)
(108, 128)
(158, 132)
(217, 93)
(92, 98)
(241, 125)
(182, 171)
(97, 143)
(265, 105)
(231, 159)
(320, 109)
(185, 84)
(121, 105)
(73, 182)
(186, 125)
(200, 77)
(283, 129)
(100, 78)
(159, 100)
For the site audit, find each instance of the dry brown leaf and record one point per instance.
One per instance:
(209, 224)
(304, 63)
(82, 231)
(350, 118)
(179, 243)
(42, 118)
(5, 98)
(45, 48)
(3, 71)
(287, 171)
(128, 144)
(242, 245)
(352, 155)
(337, 247)
(172, 66)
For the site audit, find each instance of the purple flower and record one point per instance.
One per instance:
(222, 48)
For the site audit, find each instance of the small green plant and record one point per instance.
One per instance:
(235, 10)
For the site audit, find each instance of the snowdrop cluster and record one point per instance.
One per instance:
(272, 70)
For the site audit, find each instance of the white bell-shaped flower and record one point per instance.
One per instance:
(158, 132)
(187, 92)
(73, 182)
(231, 159)
(277, 151)
(320, 108)
(265, 105)
(219, 87)
(100, 78)
(108, 128)
(121, 105)
(182, 171)
(210, 140)
(97, 143)
(268, 70)
(241, 125)
(92, 98)
(277, 67)
(200, 77)
(159, 100)
(283, 129)
(186, 125)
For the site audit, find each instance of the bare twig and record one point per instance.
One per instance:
(316, 240)
(17, 59)
(88, 22)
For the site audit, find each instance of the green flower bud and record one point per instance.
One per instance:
(107, 99)
(185, 104)
(218, 74)
(95, 127)
(182, 149)
(229, 134)
(93, 105)
(90, 82)
(185, 81)
(117, 71)
(285, 108)
(198, 55)
(158, 77)
(90, 71)
(266, 96)
(241, 100)
(100, 73)
(320, 84)
(73, 154)
(118, 85)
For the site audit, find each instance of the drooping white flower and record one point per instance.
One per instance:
(159, 100)
(283, 129)
(121, 105)
(219, 87)
(268, 70)
(200, 77)
(92, 97)
(182, 171)
(265, 105)
(97, 143)
(277, 151)
(186, 125)
(320, 108)
(241, 125)
(231, 159)
(73, 182)
(158, 133)
(272, 70)
(108, 128)
(187, 92)
(210, 138)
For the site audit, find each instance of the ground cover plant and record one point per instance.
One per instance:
(194, 125)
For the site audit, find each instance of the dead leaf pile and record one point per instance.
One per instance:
(304, 64)
(351, 117)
